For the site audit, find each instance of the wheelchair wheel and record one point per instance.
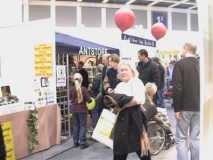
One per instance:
(157, 137)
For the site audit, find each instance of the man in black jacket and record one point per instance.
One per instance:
(148, 70)
(186, 94)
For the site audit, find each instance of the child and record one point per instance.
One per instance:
(149, 106)
(79, 96)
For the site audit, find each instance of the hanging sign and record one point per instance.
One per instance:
(8, 140)
(138, 40)
(43, 60)
(92, 51)
(60, 76)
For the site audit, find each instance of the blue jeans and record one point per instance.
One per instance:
(187, 135)
(160, 98)
(79, 127)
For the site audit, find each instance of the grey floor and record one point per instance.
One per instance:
(97, 151)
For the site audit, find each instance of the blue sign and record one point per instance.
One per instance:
(138, 40)
(160, 17)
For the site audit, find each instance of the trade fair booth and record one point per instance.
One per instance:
(29, 114)
(69, 51)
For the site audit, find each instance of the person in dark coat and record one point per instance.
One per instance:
(148, 70)
(130, 128)
(110, 79)
(162, 81)
(129, 134)
(186, 96)
(84, 74)
(97, 92)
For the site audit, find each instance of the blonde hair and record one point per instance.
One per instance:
(190, 47)
(77, 81)
(130, 66)
(150, 91)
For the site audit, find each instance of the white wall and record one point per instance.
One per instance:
(17, 56)
(10, 12)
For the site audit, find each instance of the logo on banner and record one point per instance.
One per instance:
(92, 51)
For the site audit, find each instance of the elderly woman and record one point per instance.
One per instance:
(130, 128)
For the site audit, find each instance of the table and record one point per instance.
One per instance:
(49, 128)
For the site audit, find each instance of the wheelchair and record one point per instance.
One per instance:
(160, 134)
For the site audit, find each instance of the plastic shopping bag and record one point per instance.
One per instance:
(104, 127)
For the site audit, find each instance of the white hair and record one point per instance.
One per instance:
(131, 66)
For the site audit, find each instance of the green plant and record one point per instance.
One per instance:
(32, 124)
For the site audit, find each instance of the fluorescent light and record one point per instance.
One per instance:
(105, 1)
(129, 2)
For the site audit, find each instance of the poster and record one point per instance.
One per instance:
(158, 16)
(8, 140)
(60, 76)
(43, 60)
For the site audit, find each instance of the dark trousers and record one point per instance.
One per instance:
(124, 156)
(96, 112)
(79, 127)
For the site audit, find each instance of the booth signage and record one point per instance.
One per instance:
(43, 60)
(60, 76)
(138, 40)
(92, 51)
(8, 140)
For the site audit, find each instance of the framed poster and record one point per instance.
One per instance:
(61, 76)
(159, 16)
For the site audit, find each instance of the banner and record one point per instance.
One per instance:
(8, 140)
(138, 40)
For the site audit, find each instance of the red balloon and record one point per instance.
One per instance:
(124, 19)
(158, 30)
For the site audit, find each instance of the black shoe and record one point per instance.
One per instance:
(84, 146)
(75, 145)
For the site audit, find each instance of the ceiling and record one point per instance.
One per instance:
(180, 4)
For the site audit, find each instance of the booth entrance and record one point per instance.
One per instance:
(69, 51)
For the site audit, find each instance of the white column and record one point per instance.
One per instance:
(103, 17)
(52, 12)
(149, 18)
(26, 10)
(79, 16)
(188, 21)
(169, 20)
